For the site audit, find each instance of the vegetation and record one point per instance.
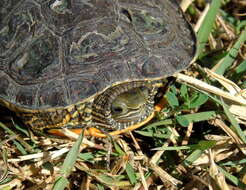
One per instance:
(197, 141)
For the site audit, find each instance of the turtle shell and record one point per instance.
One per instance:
(54, 53)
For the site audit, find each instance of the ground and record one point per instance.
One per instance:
(197, 141)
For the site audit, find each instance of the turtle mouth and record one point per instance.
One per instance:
(124, 105)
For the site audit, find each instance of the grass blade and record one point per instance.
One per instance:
(225, 63)
(207, 26)
(196, 117)
(68, 164)
(131, 174)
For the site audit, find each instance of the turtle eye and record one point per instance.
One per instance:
(127, 14)
(117, 110)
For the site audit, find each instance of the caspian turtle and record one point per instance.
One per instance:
(89, 63)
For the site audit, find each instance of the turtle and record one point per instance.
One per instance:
(89, 64)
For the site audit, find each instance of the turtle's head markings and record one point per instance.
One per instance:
(130, 106)
(124, 105)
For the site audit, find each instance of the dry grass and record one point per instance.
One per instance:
(198, 141)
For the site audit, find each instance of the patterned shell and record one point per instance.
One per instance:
(54, 53)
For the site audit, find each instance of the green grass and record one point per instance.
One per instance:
(195, 141)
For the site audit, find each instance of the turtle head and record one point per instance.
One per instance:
(131, 105)
(124, 105)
